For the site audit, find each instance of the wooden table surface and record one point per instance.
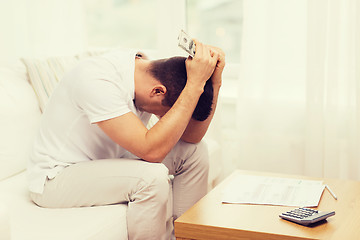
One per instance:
(211, 219)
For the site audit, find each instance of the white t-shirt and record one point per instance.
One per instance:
(97, 89)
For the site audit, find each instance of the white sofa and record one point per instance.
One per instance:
(20, 219)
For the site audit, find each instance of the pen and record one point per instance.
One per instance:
(331, 192)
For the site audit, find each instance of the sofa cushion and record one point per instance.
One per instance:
(45, 73)
(29, 221)
(19, 117)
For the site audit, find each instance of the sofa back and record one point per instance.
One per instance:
(25, 87)
(19, 117)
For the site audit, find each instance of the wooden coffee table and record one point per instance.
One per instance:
(210, 219)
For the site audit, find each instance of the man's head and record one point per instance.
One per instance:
(171, 73)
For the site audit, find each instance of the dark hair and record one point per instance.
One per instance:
(171, 72)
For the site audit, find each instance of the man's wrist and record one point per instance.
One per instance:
(217, 85)
(195, 88)
(216, 82)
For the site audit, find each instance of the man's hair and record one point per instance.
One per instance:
(171, 72)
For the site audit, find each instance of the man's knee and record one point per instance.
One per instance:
(157, 182)
(203, 152)
(198, 155)
(201, 155)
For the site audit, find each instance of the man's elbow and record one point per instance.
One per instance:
(154, 156)
(193, 140)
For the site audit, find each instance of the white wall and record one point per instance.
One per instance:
(40, 27)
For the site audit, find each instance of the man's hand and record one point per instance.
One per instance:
(216, 76)
(200, 68)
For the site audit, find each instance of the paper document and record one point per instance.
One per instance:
(250, 189)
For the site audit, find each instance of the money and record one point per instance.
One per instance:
(186, 43)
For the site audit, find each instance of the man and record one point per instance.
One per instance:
(93, 147)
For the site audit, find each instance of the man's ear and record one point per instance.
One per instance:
(158, 90)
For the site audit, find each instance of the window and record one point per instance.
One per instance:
(148, 24)
(217, 22)
(121, 23)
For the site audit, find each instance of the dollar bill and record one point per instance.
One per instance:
(186, 43)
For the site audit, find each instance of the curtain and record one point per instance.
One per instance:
(41, 28)
(333, 89)
(298, 108)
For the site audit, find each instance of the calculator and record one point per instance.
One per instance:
(306, 216)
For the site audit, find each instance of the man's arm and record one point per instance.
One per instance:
(154, 144)
(196, 130)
